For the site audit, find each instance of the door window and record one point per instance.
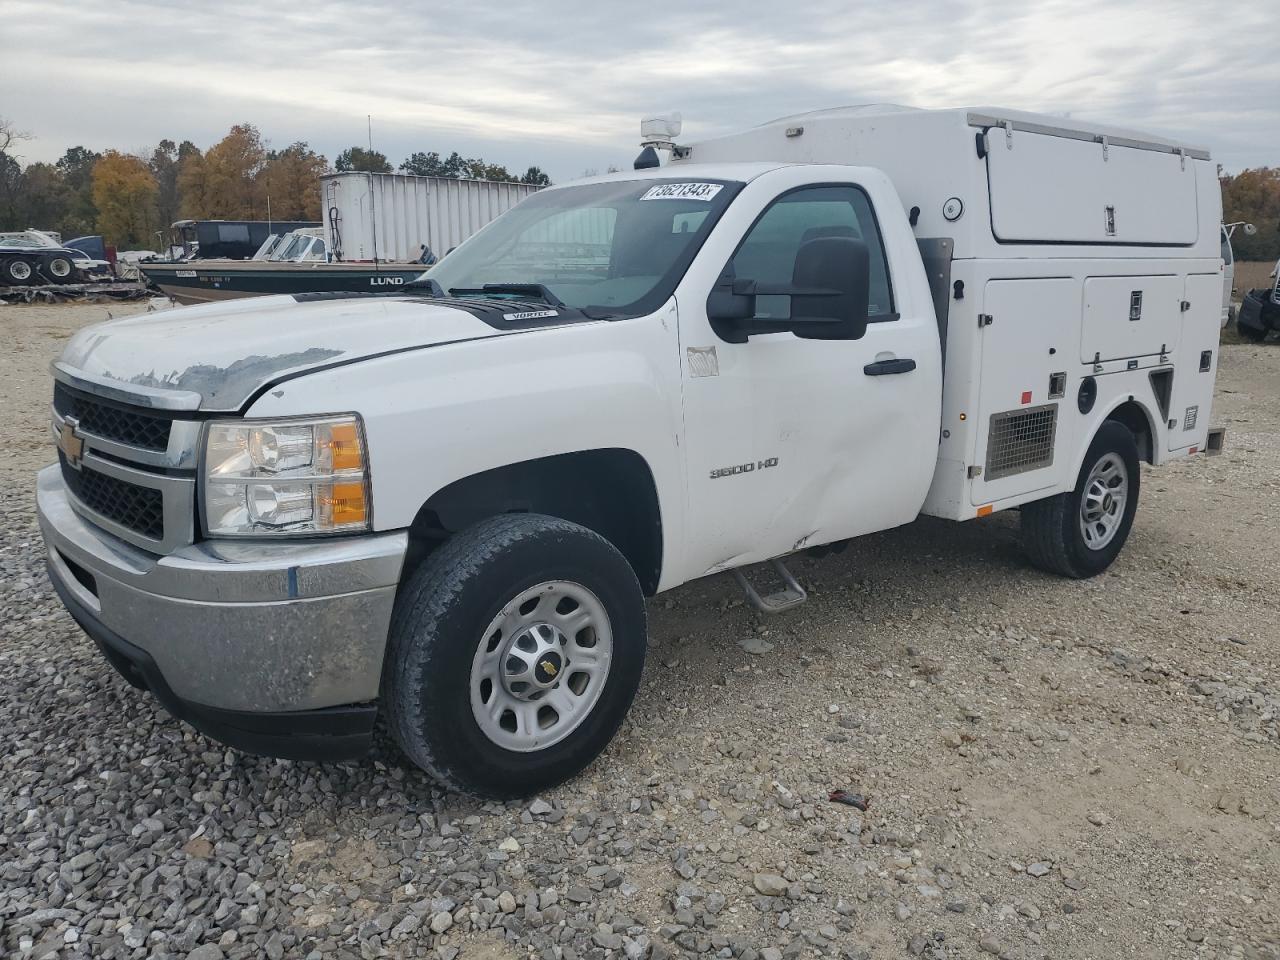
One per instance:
(768, 253)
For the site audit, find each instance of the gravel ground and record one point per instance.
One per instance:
(1053, 768)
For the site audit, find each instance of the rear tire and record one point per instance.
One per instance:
(58, 269)
(1080, 533)
(18, 271)
(516, 616)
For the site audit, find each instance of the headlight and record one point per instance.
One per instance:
(285, 477)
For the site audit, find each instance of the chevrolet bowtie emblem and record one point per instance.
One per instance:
(69, 442)
(550, 667)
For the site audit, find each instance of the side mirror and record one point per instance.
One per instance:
(829, 292)
(1250, 230)
(832, 281)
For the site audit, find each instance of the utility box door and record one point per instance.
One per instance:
(1051, 189)
(1127, 317)
(1196, 362)
(1021, 429)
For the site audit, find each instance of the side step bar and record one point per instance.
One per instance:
(791, 595)
(1216, 441)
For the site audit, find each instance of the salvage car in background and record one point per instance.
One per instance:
(33, 257)
(1260, 310)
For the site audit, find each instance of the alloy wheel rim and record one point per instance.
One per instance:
(1106, 494)
(541, 666)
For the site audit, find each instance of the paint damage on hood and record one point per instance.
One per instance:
(226, 352)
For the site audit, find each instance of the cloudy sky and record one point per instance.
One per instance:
(563, 85)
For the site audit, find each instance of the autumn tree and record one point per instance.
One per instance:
(360, 160)
(232, 180)
(193, 186)
(231, 168)
(290, 178)
(1254, 196)
(125, 192)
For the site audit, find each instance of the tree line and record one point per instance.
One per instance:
(132, 198)
(1254, 196)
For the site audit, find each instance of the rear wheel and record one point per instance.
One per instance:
(1080, 533)
(58, 268)
(515, 651)
(17, 271)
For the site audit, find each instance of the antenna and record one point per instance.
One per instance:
(373, 203)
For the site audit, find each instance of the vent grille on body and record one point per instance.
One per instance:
(1021, 440)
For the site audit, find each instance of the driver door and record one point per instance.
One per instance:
(793, 442)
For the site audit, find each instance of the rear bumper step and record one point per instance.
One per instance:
(1217, 439)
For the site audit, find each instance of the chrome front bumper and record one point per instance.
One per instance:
(249, 628)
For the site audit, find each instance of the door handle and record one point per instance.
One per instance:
(883, 368)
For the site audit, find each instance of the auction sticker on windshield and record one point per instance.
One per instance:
(683, 191)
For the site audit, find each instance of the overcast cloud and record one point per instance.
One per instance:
(563, 85)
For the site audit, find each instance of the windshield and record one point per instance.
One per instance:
(620, 246)
(291, 250)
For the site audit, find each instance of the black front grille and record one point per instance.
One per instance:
(140, 509)
(110, 422)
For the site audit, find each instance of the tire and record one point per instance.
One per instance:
(1252, 317)
(18, 271)
(463, 610)
(58, 269)
(1054, 530)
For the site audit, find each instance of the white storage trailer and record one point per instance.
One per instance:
(390, 216)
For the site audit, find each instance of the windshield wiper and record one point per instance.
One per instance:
(527, 289)
(430, 284)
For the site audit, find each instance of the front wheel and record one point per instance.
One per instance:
(1080, 533)
(515, 651)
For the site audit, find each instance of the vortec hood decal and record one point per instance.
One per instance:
(531, 315)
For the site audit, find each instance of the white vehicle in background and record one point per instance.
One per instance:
(448, 504)
(1229, 267)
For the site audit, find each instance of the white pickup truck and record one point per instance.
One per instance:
(286, 515)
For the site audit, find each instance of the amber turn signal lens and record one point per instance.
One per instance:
(344, 446)
(344, 504)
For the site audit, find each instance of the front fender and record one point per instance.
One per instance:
(442, 413)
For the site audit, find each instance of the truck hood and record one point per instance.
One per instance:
(224, 353)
